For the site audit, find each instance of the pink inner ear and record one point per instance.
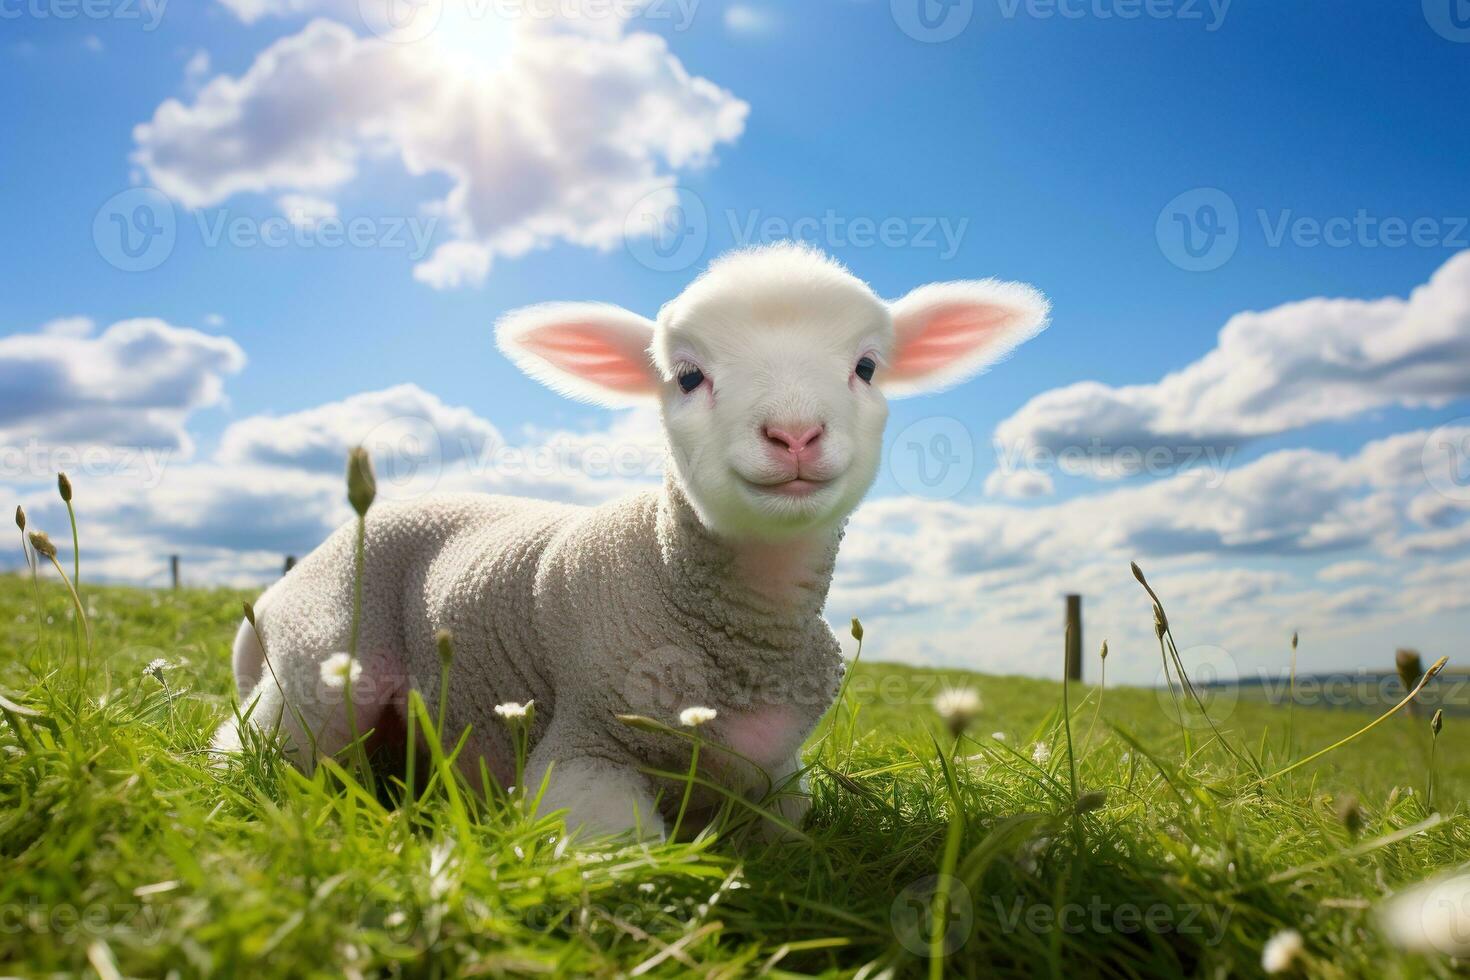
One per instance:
(586, 350)
(946, 335)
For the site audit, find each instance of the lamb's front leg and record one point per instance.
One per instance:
(792, 798)
(602, 798)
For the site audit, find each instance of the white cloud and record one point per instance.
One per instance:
(134, 384)
(1344, 570)
(981, 584)
(1295, 365)
(1018, 484)
(304, 211)
(548, 130)
(746, 20)
(197, 66)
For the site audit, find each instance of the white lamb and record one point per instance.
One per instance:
(771, 371)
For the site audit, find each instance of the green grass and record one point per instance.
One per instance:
(122, 845)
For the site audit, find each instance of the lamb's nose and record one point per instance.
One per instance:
(794, 444)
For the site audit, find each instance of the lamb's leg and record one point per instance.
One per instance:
(602, 798)
(309, 713)
(793, 797)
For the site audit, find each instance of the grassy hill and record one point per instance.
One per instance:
(1147, 850)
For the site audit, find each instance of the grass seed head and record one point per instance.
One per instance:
(1103, 653)
(20, 517)
(362, 485)
(857, 630)
(696, 716)
(1293, 639)
(1091, 800)
(41, 541)
(64, 485)
(1437, 722)
(249, 614)
(444, 641)
(1282, 951)
(1350, 812)
(340, 669)
(1409, 666)
(957, 707)
(1161, 622)
(512, 711)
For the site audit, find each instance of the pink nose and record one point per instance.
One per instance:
(794, 444)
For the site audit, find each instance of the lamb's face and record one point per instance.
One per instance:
(771, 371)
(771, 392)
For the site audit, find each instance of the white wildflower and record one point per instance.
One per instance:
(514, 710)
(339, 670)
(998, 736)
(155, 669)
(1041, 753)
(1432, 916)
(1281, 951)
(696, 716)
(957, 707)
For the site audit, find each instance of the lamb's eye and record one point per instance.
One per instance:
(691, 379)
(865, 368)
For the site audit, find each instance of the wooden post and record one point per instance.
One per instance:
(290, 564)
(1074, 637)
(173, 567)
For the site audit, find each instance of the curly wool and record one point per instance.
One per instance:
(627, 608)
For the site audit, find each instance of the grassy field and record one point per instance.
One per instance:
(1169, 852)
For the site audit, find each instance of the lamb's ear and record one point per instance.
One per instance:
(592, 351)
(946, 332)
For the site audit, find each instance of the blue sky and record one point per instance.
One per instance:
(1047, 139)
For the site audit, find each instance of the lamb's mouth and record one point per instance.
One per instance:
(795, 487)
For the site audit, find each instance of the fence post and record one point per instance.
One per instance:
(1074, 637)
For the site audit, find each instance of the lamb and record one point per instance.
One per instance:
(771, 372)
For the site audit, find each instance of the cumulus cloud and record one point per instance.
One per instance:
(746, 20)
(304, 211)
(994, 573)
(547, 129)
(133, 384)
(1295, 365)
(1344, 570)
